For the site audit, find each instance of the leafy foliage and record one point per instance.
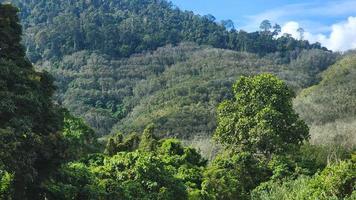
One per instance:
(131, 175)
(182, 99)
(80, 139)
(261, 118)
(233, 176)
(5, 184)
(30, 142)
(336, 181)
(177, 88)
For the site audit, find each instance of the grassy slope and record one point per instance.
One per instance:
(330, 107)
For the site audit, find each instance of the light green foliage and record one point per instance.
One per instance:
(117, 143)
(335, 182)
(79, 138)
(184, 162)
(329, 108)
(148, 139)
(261, 118)
(75, 181)
(6, 186)
(171, 172)
(127, 175)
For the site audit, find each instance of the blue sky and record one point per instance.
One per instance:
(326, 21)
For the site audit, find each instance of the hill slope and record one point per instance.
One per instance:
(177, 88)
(112, 67)
(330, 106)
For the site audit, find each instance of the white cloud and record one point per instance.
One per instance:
(315, 17)
(341, 38)
(291, 28)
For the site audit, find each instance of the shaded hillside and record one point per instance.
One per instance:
(330, 107)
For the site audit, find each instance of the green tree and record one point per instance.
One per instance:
(260, 118)
(301, 33)
(228, 24)
(80, 139)
(265, 25)
(6, 180)
(232, 176)
(125, 176)
(148, 139)
(336, 181)
(277, 29)
(31, 144)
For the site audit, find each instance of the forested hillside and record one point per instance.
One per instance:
(177, 88)
(48, 154)
(104, 57)
(119, 28)
(182, 100)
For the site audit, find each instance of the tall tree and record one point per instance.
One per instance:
(277, 29)
(228, 24)
(265, 25)
(30, 142)
(261, 118)
(301, 33)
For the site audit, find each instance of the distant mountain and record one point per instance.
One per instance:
(127, 63)
(330, 106)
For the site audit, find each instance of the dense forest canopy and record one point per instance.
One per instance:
(179, 90)
(120, 28)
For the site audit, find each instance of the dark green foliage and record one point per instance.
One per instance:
(30, 142)
(261, 118)
(10, 34)
(120, 28)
